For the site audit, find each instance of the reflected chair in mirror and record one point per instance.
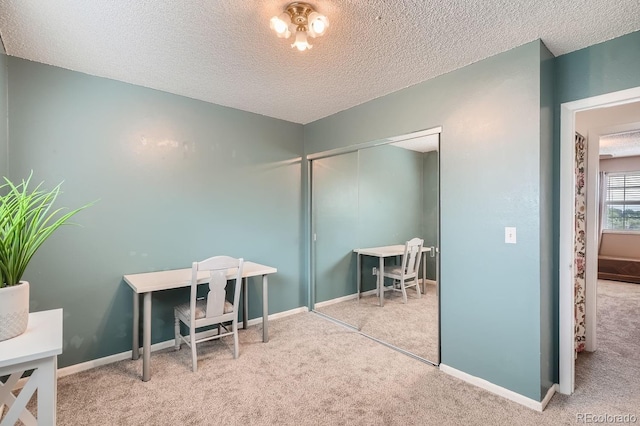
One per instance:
(405, 275)
(214, 309)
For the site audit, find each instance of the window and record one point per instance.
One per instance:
(622, 203)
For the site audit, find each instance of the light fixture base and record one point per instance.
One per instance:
(301, 19)
(299, 13)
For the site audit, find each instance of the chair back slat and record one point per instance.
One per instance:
(412, 256)
(216, 272)
(217, 293)
(221, 269)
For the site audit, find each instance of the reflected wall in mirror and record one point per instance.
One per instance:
(376, 197)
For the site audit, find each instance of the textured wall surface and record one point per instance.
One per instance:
(4, 128)
(225, 53)
(489, 178)
(368, 198)
(335, 222)
(431, 207)
(177, 180)
(602, 68)
(169, 170)
(548, 256)
(622, 164)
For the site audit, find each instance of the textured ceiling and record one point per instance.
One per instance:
(224, 52)
(621, 145)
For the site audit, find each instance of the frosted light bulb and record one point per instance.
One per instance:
(280, 24)
(301, 42)
(317, 24)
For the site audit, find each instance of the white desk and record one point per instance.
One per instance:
(148, 282)
(381, 253)
(37, 348)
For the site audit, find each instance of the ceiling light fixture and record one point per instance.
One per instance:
(301, 19)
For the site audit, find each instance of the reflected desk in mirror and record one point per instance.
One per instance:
(381, 253)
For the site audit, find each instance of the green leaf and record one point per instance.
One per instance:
(27, 220)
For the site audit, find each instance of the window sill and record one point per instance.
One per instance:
(623, 232)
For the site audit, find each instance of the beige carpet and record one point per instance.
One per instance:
(612, 372)
(315, 372)
(411, 326)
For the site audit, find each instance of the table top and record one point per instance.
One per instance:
(43, 338)
(176, 278)
(386, 251)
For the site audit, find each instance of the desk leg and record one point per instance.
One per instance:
(381, 280)
(146, 338)
(245, 304)
(358, 276)
(135, 346)
(47, 391)
(265, 309)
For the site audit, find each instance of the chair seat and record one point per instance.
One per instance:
(201, 308)
(395, 272)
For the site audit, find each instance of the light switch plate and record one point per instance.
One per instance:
(510, 235)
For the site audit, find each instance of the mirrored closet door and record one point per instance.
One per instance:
(378, 197)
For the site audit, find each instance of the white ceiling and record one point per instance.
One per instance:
(224, 52)
(619, 126)
(625, 144)
(422, 143)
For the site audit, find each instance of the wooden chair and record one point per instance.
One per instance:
(214, 309)
(405, 275)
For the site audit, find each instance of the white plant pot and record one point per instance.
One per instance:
(14, 310)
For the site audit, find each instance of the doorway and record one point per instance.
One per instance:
(567, 233)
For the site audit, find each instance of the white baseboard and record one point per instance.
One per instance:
(88, 365)
(499, 390)
(552, 390)
(344, 298)
(278, 315)
(355, 295)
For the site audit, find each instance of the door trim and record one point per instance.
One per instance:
(568, 112)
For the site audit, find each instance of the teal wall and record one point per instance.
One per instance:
(390, 195)
(390, 201)
(549, 318)
(335, 219)
(163, 162)
(598, 69)
(368, 198)
(430, 204)
(4, 130)
(177, 180)
(602, 68)
(489, 178)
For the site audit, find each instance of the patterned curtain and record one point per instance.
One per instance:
(579, 244)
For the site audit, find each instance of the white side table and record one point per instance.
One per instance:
(37, 348)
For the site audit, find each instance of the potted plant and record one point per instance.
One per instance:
(27, 219)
